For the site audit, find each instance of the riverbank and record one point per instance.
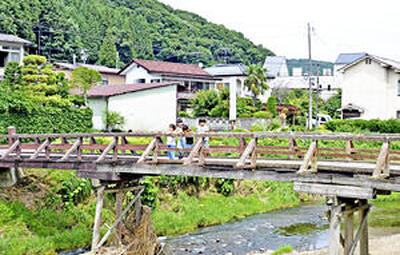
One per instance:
(384, 245)
(53, 211)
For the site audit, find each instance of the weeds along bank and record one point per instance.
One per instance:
(52, 211)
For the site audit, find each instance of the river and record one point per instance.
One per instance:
(304, 228)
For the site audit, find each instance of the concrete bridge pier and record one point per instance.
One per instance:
(9, 177)
(346, 239)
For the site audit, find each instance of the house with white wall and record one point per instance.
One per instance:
(145, 107)
(371, 88)
(11, 50)
(345, 59)
(190, 78)
(276, 66)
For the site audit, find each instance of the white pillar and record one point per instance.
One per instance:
(232, 101)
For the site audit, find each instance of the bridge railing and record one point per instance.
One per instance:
(309, 152)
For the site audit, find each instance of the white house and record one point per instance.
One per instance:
(145, 107)
(371, 88)
(347, 58)
(11, 49)
(276, 66)
(190, 78)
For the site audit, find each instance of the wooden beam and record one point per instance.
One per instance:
(13, 148)
(348, 230)
(146, 153)
(118, 220)
(195, 151)
(107, 150)
(292, 148)
(118, 211)
(349, 148)
(335, 190)
(73, 148)
(310, 158)
(44, 145)
(97, 218)
(334, 229)
(362, 234)
(249, 149)
(382, 165)
(156, 150)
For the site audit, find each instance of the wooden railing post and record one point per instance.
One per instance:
(310, 159)
(382, 164)
(11, 131)
(115, 151)
(349, 148)
(292, 148)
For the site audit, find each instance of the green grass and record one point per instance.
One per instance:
(283, 250)
(183, 213)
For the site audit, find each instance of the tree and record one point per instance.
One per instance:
(84, 79)
(271, 106)
(108, 51)
(333, 104)
(256, 81)
(204, 102)
(12, 74)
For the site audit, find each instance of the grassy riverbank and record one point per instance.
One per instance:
(52, 211)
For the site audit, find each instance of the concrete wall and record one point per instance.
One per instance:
(147, 110)
(373, 88)
(99, 107)
(135, 72)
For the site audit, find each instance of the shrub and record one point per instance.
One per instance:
(183, 114)
(114, 120)
(356, 125)
(262, 115)
(271, 106)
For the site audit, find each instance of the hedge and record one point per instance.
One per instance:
(48, 120)
(356, 125)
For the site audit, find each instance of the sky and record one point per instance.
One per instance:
(339, 26)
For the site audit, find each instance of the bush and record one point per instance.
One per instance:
(114, 120)
(356, 125)
(262, 115)
(183, 114)
(48, 120)
(271, 106)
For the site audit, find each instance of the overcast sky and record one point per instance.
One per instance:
(339, 26)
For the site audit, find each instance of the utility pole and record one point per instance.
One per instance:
(316, 98)
(116, 60)
(309, 78)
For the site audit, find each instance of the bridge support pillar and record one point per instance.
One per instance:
(346, 239)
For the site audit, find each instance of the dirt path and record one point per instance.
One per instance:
(388, 245)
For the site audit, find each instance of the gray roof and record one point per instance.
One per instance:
(348, 58)
(100, 69)
(227, 70)
(13, 39)
(273, 65)
(386, 62)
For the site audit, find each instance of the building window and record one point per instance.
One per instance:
(207, 86)
(141, 80)
(105, 81)
(398, 87)
(226, 85)
(155, 81)
(398, 114)
(329, 87)
(14, 57)
(368, 61)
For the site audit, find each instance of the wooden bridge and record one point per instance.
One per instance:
(347, 168)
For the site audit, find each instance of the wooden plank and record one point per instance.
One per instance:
(156, 150)
(73, 148)
(249, 149)
(97, 217)
(118, 211)
(382, 165)
(334, 230)
(44, 145)
(335, 190)
(348, 230)
(310, 158)
(195, 151)
(13, 148)
(292, 148)
(361, 236)
(107, 150)
(146, 153)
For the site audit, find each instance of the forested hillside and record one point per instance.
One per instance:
(135, 28)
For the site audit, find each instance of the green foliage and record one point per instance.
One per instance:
(143, 29)
(74, 190)
(84, 79)
(12, 75)
(256, 81)
(271, 106)
(47, 120)
(364, 126)
(204, 102)
(183, 114)
(114, 120)
(225, 186)
(283, 250)
(262, 115)
(333, 104)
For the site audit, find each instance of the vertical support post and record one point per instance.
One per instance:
(348, 230)
(334, 228)
(363, 214)
(156, 150)
(118, 211)
(79, 149)
(138, 210)
(349, 149)
(11, 131)
(115, 151)
(97, 217)
(253, 159)
(292, 148)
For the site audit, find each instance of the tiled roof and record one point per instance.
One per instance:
(13, 39)
(114, 90)
(227, 70)
(169, 68)
(348, 58)
(100, 69)
(386, 62)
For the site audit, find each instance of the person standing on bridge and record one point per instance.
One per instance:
(171, 141)
(189, 140)
(181, 139)
(203, 129)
